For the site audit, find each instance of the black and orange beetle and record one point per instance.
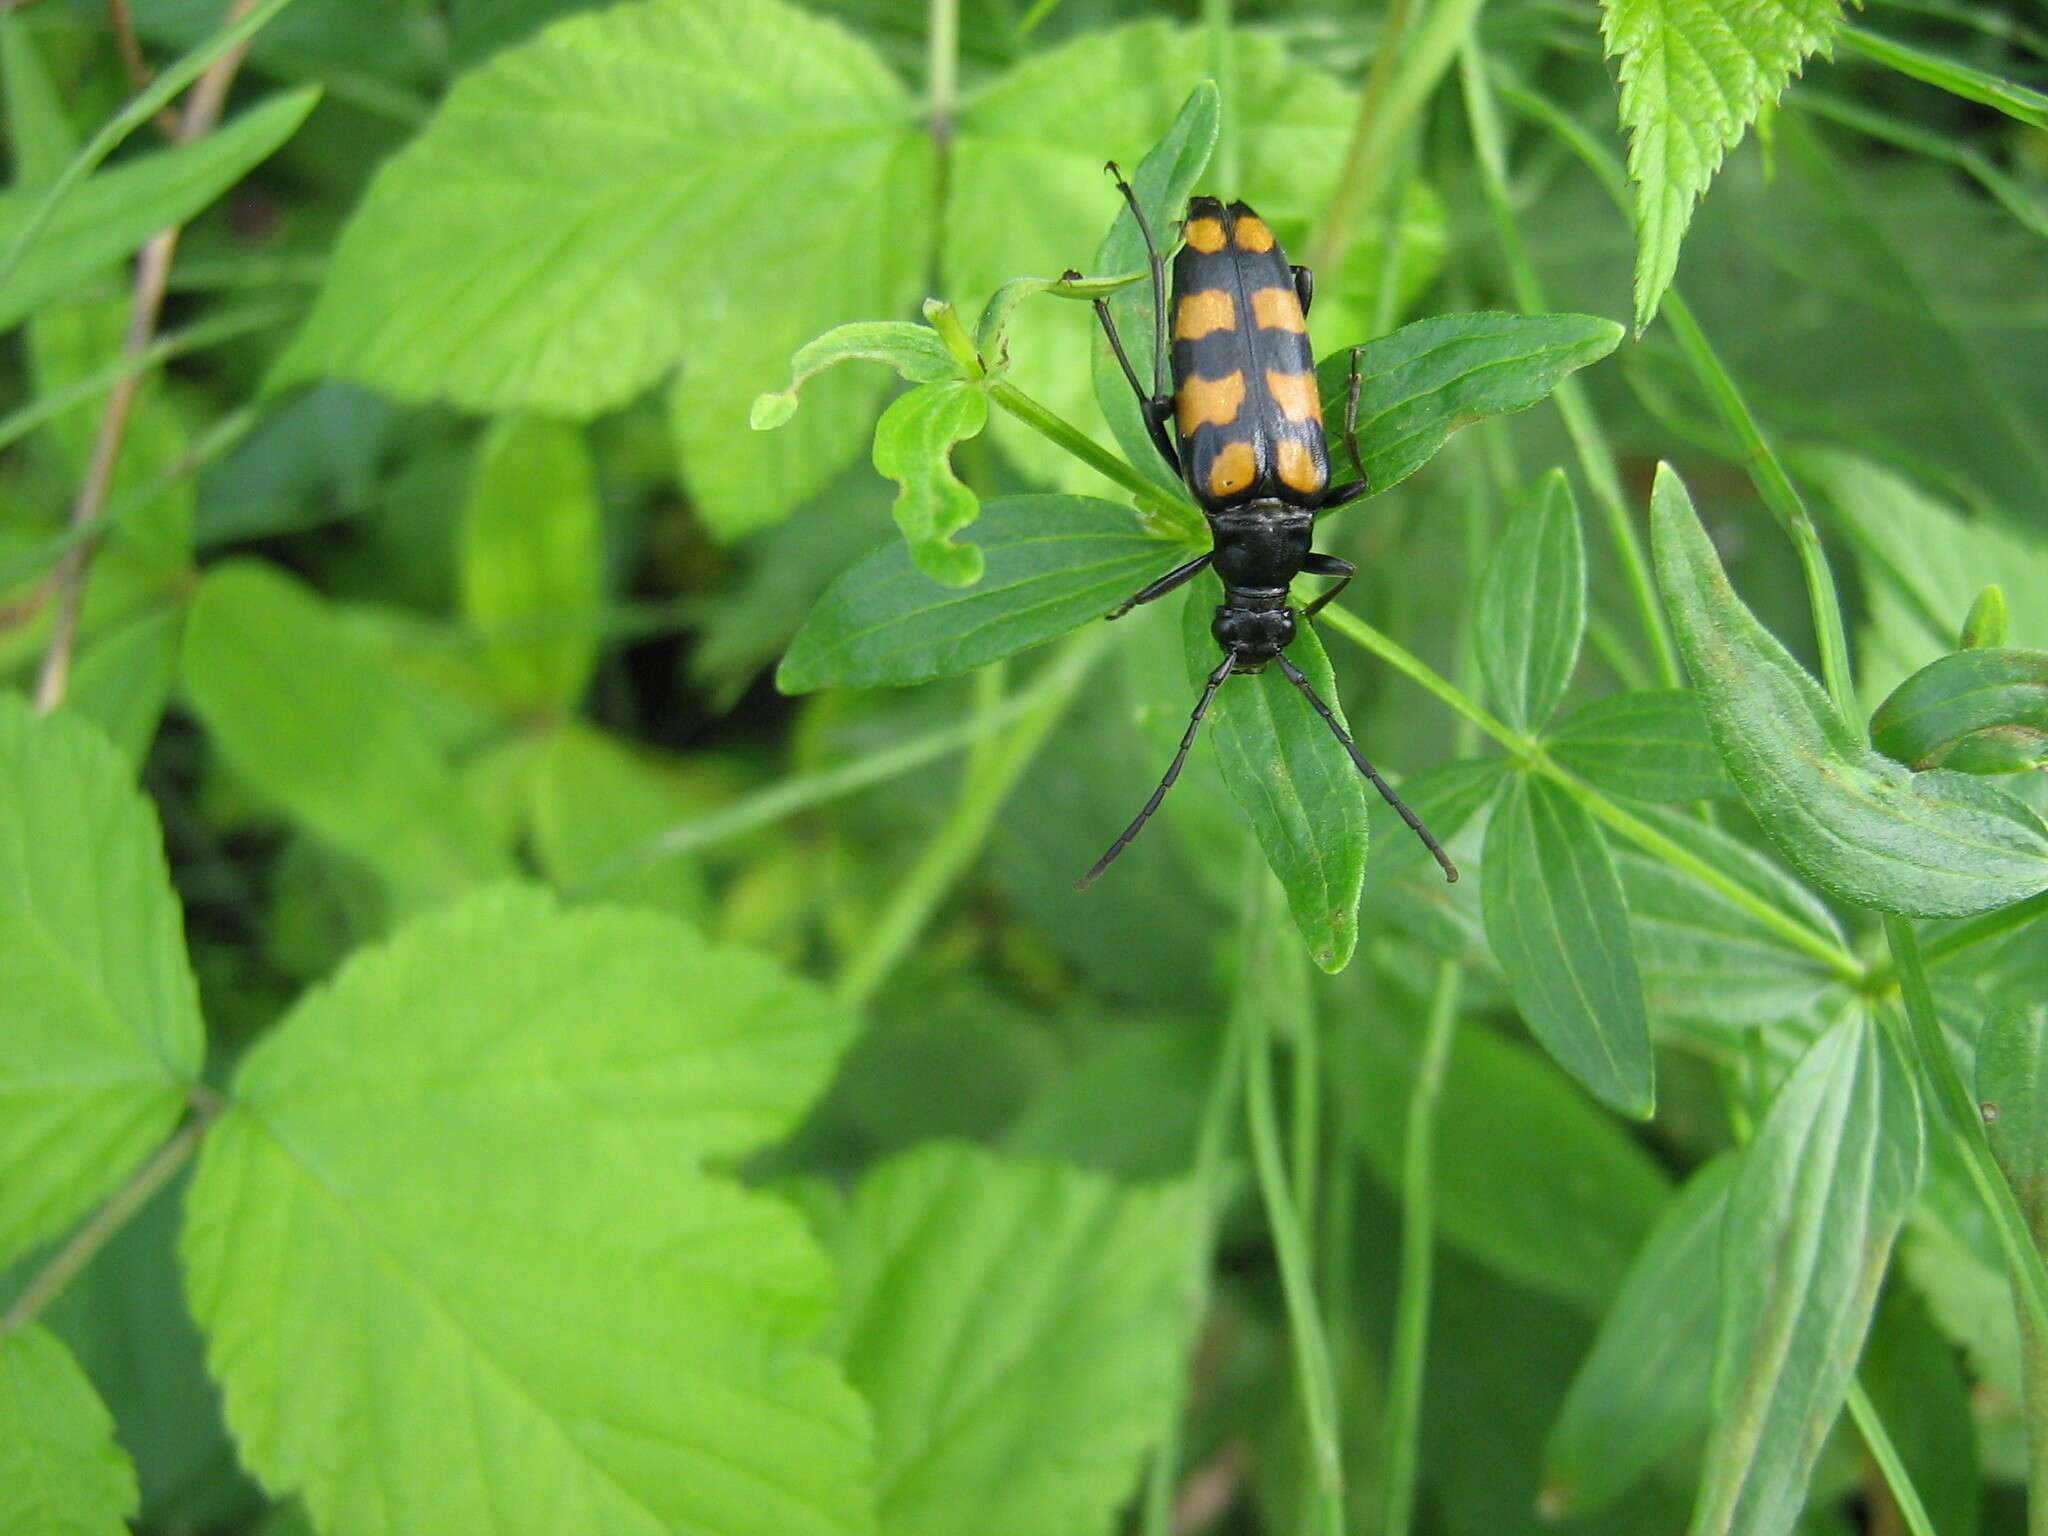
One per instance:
(1248, 441)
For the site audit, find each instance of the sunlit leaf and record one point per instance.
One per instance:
(61, 1474)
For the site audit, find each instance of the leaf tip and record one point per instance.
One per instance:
(771, 409)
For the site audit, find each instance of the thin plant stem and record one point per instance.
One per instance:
(1966, 1124)
(1589, 442)
(1386, 292)
(2021, 103)
(1216, 29)
(1410, 1348)
(1886, 1454)
(1184, 520)
(942, 70)
(65, 1265)
(1305, 1123)
(965, 828)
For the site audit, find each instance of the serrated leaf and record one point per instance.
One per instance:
(1051, 564)
(1817, 1201)
(1982, 710)
(1431, 377)
(1533, 1179)
(1557, 922)
(1532, 606)
(914, 444)
(110, 215)
(589, 208)
(304, 710)
(457, 1199)
(1858, 825)
(1018, 1329)
(1653, 745)
(1643, 1390)
(914, 351)
(1694, 76)
(61, 1474)
(100, 1035)
(531, 559)
(1290, 776)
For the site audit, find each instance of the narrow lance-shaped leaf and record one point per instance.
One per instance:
(1694, 76)
(914, 444)
(1862, 827)
(1817, 1202)
(61, 1474)
(1653, 745)
(1051, 564)
(1532, 605)
(1291, 776)
(1557, 922)
(1431, 377)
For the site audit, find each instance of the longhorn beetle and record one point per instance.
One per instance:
(1248, 441)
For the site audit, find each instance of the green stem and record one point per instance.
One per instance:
(1410, 1348)
(1305, 1124)
(2020, 103)
(942, 68)
(1966, 1124)
(1779, 494)
(1312, 1361)
(1883, 976)
(1417, 671)
(1183, 519)
(1384, 115)
(965, 829)
(1889, 1462)
(1589, 443)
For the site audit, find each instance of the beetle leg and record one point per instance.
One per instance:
(1178, 576)
(1158, 265)
(1352, 386)
(1326, 565)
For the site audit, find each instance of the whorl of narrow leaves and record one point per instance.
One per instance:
(1694, 76)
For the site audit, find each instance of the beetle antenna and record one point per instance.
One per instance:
(1186, 742)
(1294, 676)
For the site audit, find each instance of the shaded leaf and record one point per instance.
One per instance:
(1858, 825)
(1051, 564)
(61, 1474)
(914, 444)
(1916, 1383)
(1981, 710)
(1557, 922)
(595, 801)
(1652, 745)
(100, 1035)
(1532, 606)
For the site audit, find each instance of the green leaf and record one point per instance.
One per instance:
(914, 351)
(1915, 1379)
(1532, 606)
(1694, 75)
(1018, 1329)
(1431, 377)
(596, 799)
(1533, 1179)
(109, 216)
(914, 447)
(39, 136)
(1858, 825)
(457, 1198)
(304, 710)
(586, 210)
(1986, 622)
(1652, 745)
(1643, 1390)
(1558, 924)
(100, 1035)
(123, 680)
(1981, 711)
(1051, 564)
(1444, 797)
(1817, 1201)
(1163, 181)
(531, 559)
(61, 1474)
(1290, 776)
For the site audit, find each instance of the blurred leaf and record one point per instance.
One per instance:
(1291, 777)
(1952, 1256)
(2012, 1085)
(1643, 1390)
(305, 711)
(1444, 798)
(1652, 745)
(1431, 377)
(39, 136)
(583, 212)
(123, 680)
(1532, 606)
(1916, 1383)
(594, 799)
(1131, 1104)
(1858, 825)
(532, 559)
(1018, 1330)
(1533, 1179)
(1051, 564)
(1819, 1196)
(457, 1195)
(111, 214)
(1977, 711)
(100, 1035)
(1694, 75)
(914, 444)
(1557, 922)
(61, 1474)
(914, 351)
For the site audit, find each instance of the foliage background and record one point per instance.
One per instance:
(474, 1056)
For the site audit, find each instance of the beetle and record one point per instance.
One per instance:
(1247, 439)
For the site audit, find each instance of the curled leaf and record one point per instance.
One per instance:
(914, 447)
(913, 350)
